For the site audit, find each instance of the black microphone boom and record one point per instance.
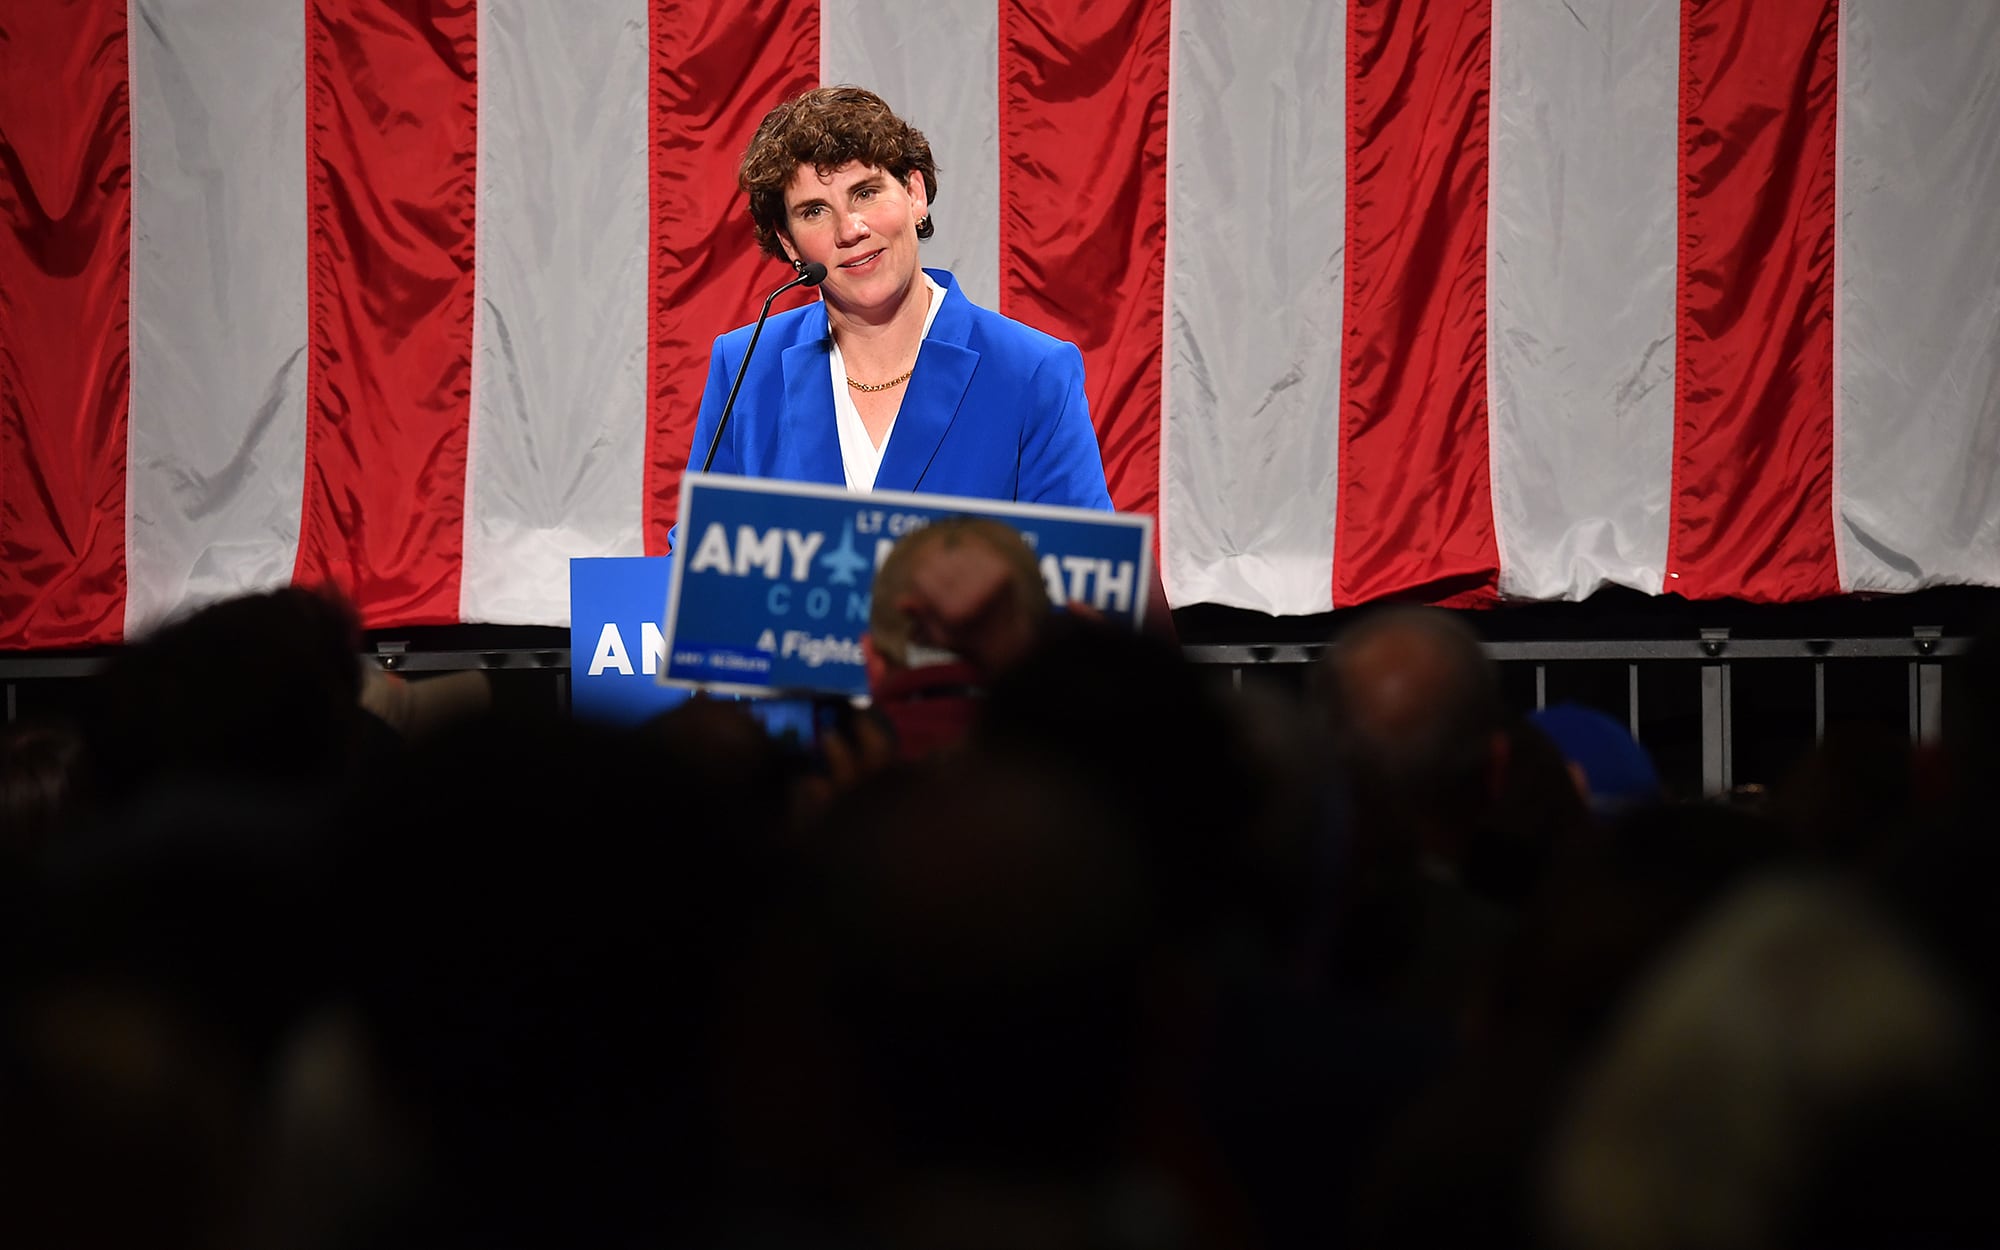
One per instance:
(812, 273)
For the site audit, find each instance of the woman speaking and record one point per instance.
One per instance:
(894, 381)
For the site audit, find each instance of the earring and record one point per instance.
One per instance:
(798, 266)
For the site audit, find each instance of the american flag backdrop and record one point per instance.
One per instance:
(1461, 300)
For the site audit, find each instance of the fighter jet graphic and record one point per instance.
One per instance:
(844, 562)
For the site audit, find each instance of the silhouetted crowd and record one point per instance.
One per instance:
(1102, 956)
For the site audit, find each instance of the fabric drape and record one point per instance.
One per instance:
(1470, 301)
(391, 125)
(65, 308)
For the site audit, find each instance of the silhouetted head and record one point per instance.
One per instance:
(1419, 723)
(260, 690)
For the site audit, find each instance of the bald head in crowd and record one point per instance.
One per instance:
(1416, 711)
(965, 585)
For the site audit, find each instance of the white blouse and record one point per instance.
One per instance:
(859, 456)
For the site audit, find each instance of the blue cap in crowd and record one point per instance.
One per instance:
(1618, 770)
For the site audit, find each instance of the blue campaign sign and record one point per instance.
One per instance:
(617, 644)
(769, 591)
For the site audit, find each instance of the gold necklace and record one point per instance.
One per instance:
(883, 386)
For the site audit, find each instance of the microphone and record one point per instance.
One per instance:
(812, 273)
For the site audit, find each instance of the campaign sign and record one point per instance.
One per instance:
(617, 647)
(770, 586)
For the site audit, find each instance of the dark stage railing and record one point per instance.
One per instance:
(1719, 706)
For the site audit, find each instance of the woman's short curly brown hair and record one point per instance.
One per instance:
(826, 128)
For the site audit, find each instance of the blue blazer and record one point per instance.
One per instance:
(994, 410)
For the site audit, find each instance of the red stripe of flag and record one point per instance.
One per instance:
(391, 112)
(1415, 513)
(718, 67)
(1753, 434)
(65, 320)
(1083, 208)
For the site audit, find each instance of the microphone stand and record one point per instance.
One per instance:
(812, 274)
